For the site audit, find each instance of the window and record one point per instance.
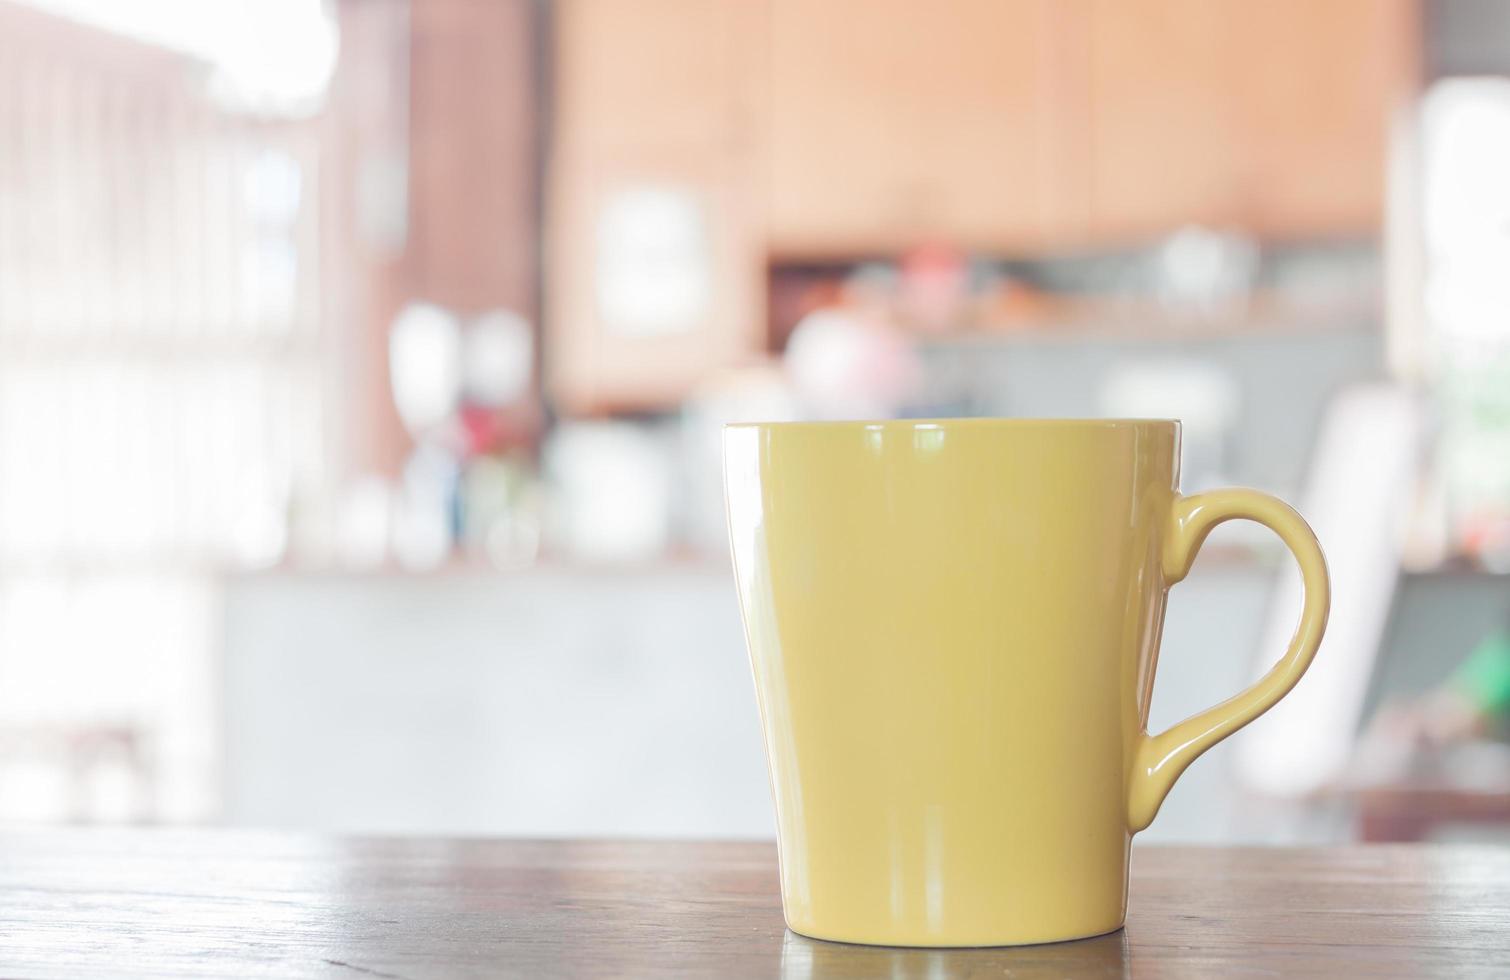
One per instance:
(162, 415)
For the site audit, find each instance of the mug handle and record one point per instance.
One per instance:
(1159, 759)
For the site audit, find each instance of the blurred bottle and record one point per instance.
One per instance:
(364, 521)
(501, 511)
(611, 491)
(1205, 274)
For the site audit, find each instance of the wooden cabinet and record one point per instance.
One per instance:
(649, 72)
(1266, 117)
(1313, 95)
(892, 121)
(654, 278)
(1159, 132)
(653, 225)
(848, 128)
(1020, 126)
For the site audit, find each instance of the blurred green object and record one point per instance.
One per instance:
(1485, 676)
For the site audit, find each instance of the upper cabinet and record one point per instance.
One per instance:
(892, 120)
(1267, 117)
(1314, 93)
(1027, 125)
(693, 140)
(652, 228)
(649, 72)
(1159, 145)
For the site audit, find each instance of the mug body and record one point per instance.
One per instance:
(953, 627)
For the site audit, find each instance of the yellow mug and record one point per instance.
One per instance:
(953, 626)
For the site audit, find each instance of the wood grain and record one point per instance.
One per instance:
(235, 903)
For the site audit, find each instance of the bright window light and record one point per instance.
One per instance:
(269, 56)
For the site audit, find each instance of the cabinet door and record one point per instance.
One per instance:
(1159, 130)
(991, 144)
(647, 72)
(654, 279)
(1314, 94)
(1270, 117)
(654, 271)
(893, 120)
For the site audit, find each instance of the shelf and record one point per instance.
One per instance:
(1144, 324)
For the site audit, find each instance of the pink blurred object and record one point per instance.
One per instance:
(845, 364)
(934, 286)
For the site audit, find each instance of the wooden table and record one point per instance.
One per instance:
(221, 903)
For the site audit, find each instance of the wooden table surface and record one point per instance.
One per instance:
(230, 903)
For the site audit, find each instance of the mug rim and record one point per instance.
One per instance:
(971, 422)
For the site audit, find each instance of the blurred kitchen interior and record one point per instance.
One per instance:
(362, 365)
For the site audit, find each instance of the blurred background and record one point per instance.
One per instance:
(362, 364)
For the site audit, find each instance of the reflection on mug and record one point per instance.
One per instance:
(815, 959)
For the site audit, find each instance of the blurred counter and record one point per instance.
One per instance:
(550, 702)
(576, 701)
